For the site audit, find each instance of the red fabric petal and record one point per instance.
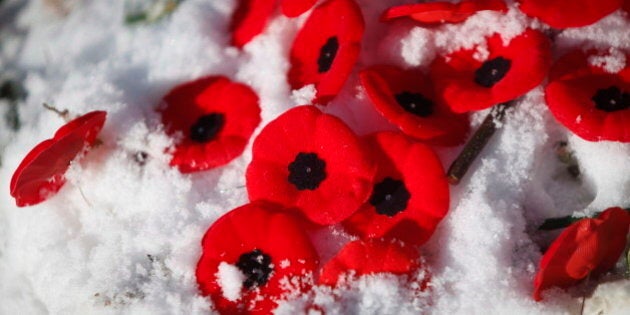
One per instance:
(442, 127)
(586, 246)
(249, 20)
(569, 95)
(442, 12)
(340, 19)
(454, 75)
(186, 103)
(293, 8)
(569, 13)
(370, 257)
(256, 226)
(41, 174)
(421, 172)
(348, 169)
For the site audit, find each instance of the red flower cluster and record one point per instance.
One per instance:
(41, 174)
(441, 11)
(589, 246)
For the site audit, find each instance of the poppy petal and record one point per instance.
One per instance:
(442, 12)
(293, 8)
(326, 48)
(406, 99)
(569, 13)
(41, 174)
(467, 84)
(249, 20)
(215, 118)
(311, 161)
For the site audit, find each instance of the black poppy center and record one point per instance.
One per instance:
(611, 99)
(307, 171)
(327, 54)
(492, 71)
(207, 127)
(256, 266)
(415, 103)
(390, 197)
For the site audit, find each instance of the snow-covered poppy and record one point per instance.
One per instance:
(410, 195)
(569, 13)
(249, 19)
(293, 8)
(41, 174)
(311, 161)
(252, 256)
(591, 102)
(442, 11)
(212, 119)
(326, 48)
(588, 246)
(467, 82)
(359, 258)
(406, 99)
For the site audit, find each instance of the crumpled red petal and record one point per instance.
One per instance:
(260, 227)
(581, 97)
(569, 13)
(311, 161)
(359, 258)
(454, 76)
(293, 8)
(588, 246)
(41, 174)
(442, 12)
(186, 104)
(249, 19)
(326, 48)
(390, 89)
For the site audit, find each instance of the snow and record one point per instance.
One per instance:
(123, 235)
(230, 280)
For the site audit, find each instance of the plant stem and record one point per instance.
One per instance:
(477, 142)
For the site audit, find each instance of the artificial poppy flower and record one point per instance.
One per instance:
(569, 13)
(265, 247)
(509, 71)
(410, 195)
(293, 8)
(311, 161)
(592, 103)
(441, 12)
(405, 98)
(359, 258)
(326, 48)
(41, 174)
(250, 19)
(588, 246)
(212, 119)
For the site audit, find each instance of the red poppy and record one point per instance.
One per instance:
(212, 119)
(410, 195)
(588, 246)
(359, 258)
(311, 161)
(569, 13)
(41, 174)
(591, 102)
(326, 48)
(468, 84)
(405, 98)
(293, 8)
(442, 12)
(250, 19)
(266, 248)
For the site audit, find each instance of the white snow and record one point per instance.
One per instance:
(230, 280)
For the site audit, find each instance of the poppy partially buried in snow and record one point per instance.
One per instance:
(588, 246)
(406, 99)
(326, 48)
(359, 258)
(410, 195)
(591, 102)
(442, 11)
(212, 119)
(252, 256)
(41, 174)
(569, 13)
(467, 83)
(311, 161)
